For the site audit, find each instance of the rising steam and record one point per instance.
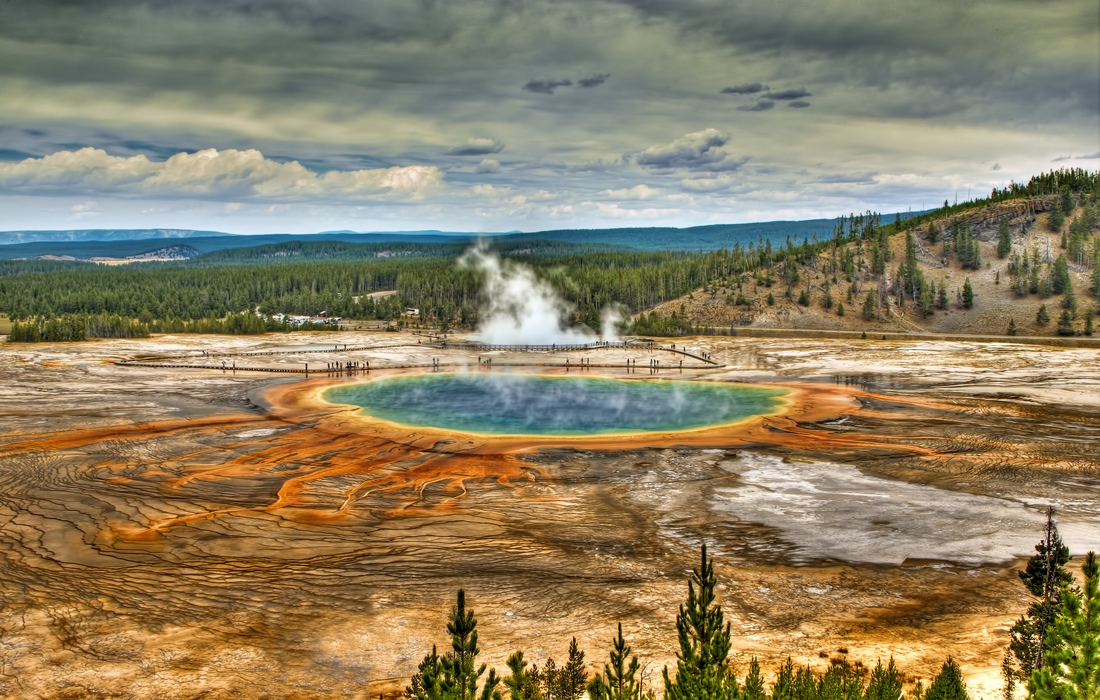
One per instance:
(521, 309)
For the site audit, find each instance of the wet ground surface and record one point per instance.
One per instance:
(174, 532)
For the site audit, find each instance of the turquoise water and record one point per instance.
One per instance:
(519, 404)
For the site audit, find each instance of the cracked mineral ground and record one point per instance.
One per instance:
(172, 532)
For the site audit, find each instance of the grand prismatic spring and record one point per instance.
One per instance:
(504, 404)
(180, 518)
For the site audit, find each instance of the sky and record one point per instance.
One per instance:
(260, 116)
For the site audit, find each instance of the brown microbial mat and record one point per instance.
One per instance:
(170, 530)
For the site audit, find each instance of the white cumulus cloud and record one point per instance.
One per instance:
(211, 174)
(637, 192)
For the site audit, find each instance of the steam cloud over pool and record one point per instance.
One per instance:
(533, 405)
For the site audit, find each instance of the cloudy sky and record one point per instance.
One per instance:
(496, 115)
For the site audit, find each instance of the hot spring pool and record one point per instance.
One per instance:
(516, 404)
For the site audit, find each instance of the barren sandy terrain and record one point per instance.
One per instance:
(178, 532)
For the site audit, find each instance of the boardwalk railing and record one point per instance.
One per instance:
(553, 347)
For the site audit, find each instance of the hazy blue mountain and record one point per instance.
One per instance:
(121, 243)
(99, 234)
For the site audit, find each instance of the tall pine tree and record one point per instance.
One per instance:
(620, 676)
(524, 683)
(702, 664)
(1071, 669)
(948, 685)
(1004, 239)
(885, 682)
(455, 676)
(1044, 577)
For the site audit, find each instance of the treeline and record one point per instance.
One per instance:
(1055, 651)
(444, 292)
(298, 251)
(1053, 182)
(238, 324)
(75, 327)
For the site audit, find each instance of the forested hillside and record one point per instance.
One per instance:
(1024, 253)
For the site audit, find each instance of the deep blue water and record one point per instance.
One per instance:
(520, 404)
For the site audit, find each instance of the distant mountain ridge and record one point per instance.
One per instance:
(100, 234)
(121, 243)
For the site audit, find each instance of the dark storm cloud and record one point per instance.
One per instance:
(546, 87)
(697, 151)
(759, 106)
(927, 50)
(477, 147)
(343, 85)
(743, 89)
(593, 80)
(793, 94)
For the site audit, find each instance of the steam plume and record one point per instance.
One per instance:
(521, 309)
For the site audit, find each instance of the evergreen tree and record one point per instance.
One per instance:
(1069, 302)
(1088, 324)
(840, 310)
(1065, 324)
(702, 664)
(926, 305)
(1060, 279)
(933, 232)
(1045, 576)
(968, 294)
(551, 679)
(427, 684)
(524, 683)
(1012, 326)
(573, 677)
(754, 683)
(885, 682)
(1071, 669)
(784, 687)
(1057, 219)
(1008, 672)
(619, 680)
(941, 298)
(1096, 270)
(1004, 239)
(869, 306)
(1067, 203)
(948, 685)
(804, 297)
(1043, 316)
(771, 299)
(454, 676)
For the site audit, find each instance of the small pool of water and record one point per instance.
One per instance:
(516, 404)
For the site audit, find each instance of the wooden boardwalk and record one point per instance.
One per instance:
(200, 362)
